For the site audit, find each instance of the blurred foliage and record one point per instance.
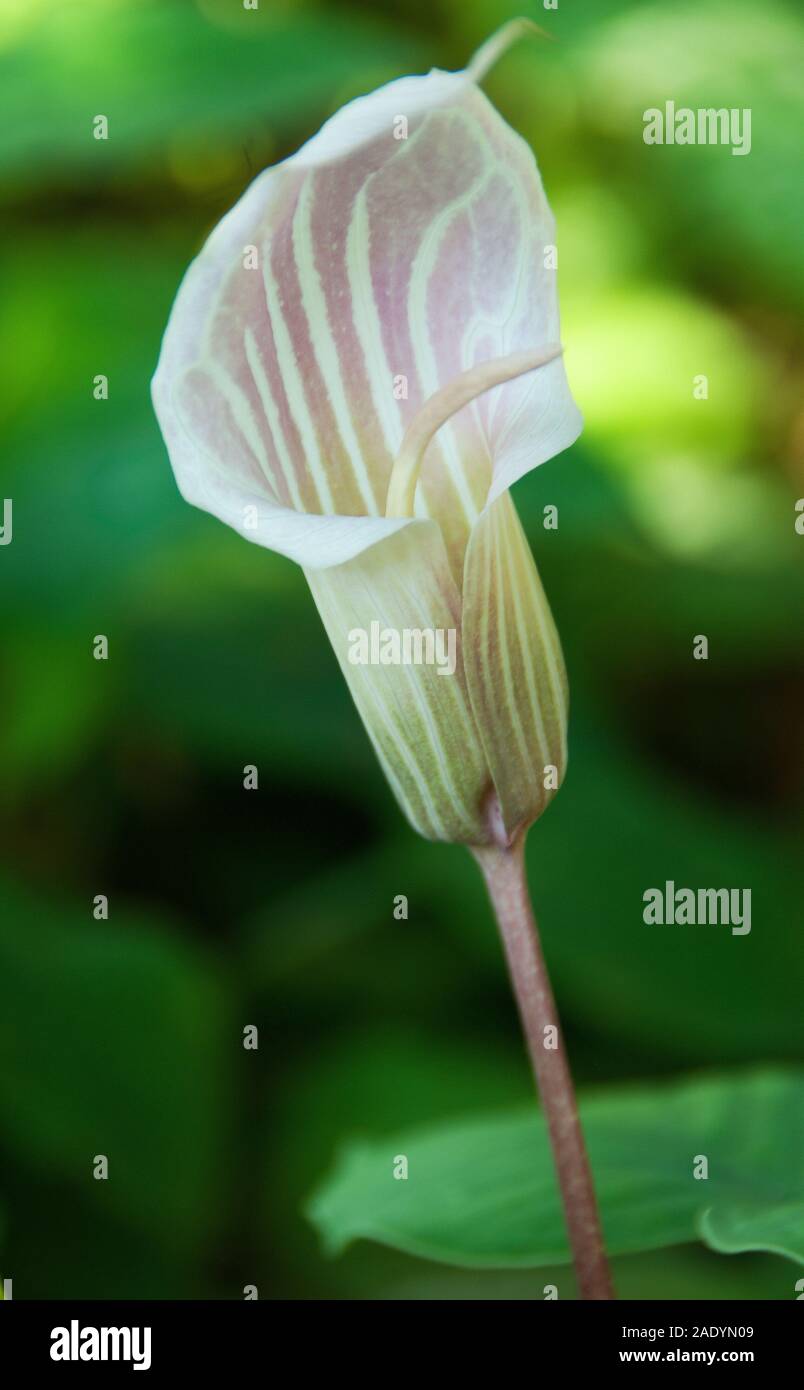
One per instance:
(123, 998)
(205, 74)
(276, 908)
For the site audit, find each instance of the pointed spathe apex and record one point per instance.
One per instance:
(498, 43)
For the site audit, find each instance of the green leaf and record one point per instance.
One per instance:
(740, 1226)
(482, 1193)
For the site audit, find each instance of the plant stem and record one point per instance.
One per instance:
(504, 872)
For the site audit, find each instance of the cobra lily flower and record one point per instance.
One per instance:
(358, 366)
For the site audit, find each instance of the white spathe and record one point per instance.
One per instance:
(349, 285)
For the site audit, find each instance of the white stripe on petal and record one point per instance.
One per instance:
(272, 416)
(326, 353)
(368, 326)
(295, 394)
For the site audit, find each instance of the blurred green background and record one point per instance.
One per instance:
(275, 907)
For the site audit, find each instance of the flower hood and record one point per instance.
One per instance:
(382, 305)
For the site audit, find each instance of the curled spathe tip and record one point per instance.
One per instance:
(499, 42)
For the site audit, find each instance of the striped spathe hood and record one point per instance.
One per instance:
(400, 250)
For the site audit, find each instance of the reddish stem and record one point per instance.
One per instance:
(504, 872)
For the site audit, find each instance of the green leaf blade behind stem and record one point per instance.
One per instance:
(735, 1227)
(481, 1193)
